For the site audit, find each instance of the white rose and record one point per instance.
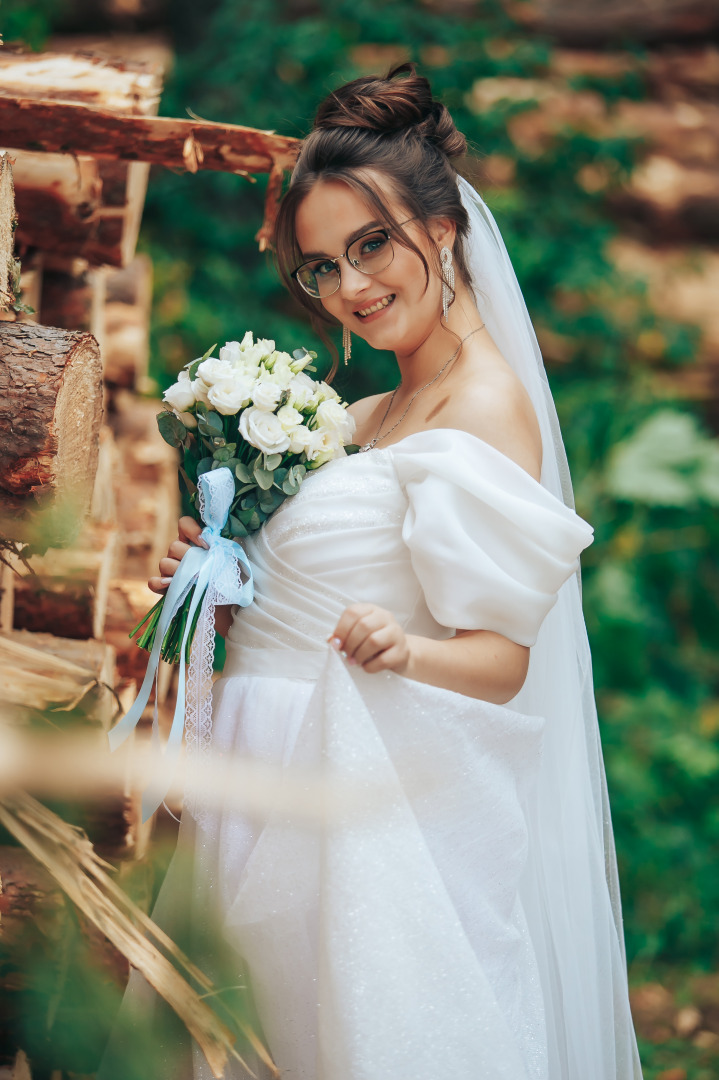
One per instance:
(322, 445)
(230, 395)
(231, 351)
(188, 419)
(331, 416)
(290, 418)
(199, 389)
(213, 370)
(302, 390)
(254, 351)
(179, 396)
(263, 430)
(301, 439)
(266, 393)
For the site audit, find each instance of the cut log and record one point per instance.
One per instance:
(126, 340)
(50, 412)
(159, 140)
(595, 22)
(73, 204)
(123, 86)
(73, 297)
(46, 679)
(8, 220)
(104, 504)
(67, 593)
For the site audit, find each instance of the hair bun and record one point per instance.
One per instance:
(402, 101)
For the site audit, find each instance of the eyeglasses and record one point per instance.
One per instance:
(370, 254)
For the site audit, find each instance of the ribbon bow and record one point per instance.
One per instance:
(216, 573)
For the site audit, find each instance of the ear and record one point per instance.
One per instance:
(443, 231)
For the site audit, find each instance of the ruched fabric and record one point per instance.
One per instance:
(490, 546)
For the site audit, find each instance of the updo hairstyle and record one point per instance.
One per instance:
(393, 126)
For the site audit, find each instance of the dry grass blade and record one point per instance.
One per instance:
(69, 857)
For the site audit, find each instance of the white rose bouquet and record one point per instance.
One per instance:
(256, 412)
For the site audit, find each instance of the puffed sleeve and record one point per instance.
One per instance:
(490, 546)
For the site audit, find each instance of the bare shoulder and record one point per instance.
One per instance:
(365, 410)
(498, 410)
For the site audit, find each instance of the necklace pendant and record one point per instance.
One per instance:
(368, 446)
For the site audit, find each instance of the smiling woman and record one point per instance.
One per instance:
(417, 640)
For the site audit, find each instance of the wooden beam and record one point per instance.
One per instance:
(62, 127)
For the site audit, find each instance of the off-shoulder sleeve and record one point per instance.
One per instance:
(490, 546)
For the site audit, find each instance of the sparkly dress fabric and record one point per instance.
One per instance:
(398, 941)
(458, 919)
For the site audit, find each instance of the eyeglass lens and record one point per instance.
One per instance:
(369, 254)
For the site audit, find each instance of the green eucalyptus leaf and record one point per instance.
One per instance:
(204, 465)
(171, 428)
(236, 527)
(280, 477)
(264, 477)
(272, 461)
(250, 500)
(243, 473)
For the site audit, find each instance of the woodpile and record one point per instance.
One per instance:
(668, 209)
(89, 491)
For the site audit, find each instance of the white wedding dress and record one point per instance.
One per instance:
(415, 937)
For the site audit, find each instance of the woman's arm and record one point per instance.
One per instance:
(477, 663)
(188, 533)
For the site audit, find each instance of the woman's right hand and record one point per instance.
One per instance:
(188, 533)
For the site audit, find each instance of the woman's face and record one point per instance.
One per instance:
(391, 309)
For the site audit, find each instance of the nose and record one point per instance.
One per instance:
(353, 283)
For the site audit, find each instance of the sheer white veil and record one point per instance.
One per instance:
(570, 889)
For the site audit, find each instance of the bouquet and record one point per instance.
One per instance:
(255, 412)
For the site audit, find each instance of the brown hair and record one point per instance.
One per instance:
(394, 126)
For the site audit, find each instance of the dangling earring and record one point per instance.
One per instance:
(347, 343)
(447, 280)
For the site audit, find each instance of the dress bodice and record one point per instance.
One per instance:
(440, 528)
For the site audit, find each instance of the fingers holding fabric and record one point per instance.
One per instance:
(371, 636)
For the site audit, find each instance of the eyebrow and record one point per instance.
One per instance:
(309, 255)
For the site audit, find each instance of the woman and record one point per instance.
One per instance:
(417, 633)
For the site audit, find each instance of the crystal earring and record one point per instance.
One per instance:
(447, 280)
(347, 344)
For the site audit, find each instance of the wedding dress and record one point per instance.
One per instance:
(461, 919)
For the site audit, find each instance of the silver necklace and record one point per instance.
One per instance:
(373, 442)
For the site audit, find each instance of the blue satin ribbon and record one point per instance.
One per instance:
(214, 571)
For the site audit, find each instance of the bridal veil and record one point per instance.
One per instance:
(570, 890)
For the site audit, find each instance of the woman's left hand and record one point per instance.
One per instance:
(371, 636)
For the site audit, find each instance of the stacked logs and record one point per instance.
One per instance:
(63, 474)
(668, 210)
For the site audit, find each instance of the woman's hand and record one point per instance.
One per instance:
(188, 533)
(371, 636)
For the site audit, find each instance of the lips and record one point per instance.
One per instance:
(375, 306)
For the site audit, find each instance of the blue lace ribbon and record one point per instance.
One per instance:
(216, 572)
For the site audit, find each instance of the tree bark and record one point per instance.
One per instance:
(7, 229)
(50, 412)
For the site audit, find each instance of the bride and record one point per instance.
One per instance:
(417, 634)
